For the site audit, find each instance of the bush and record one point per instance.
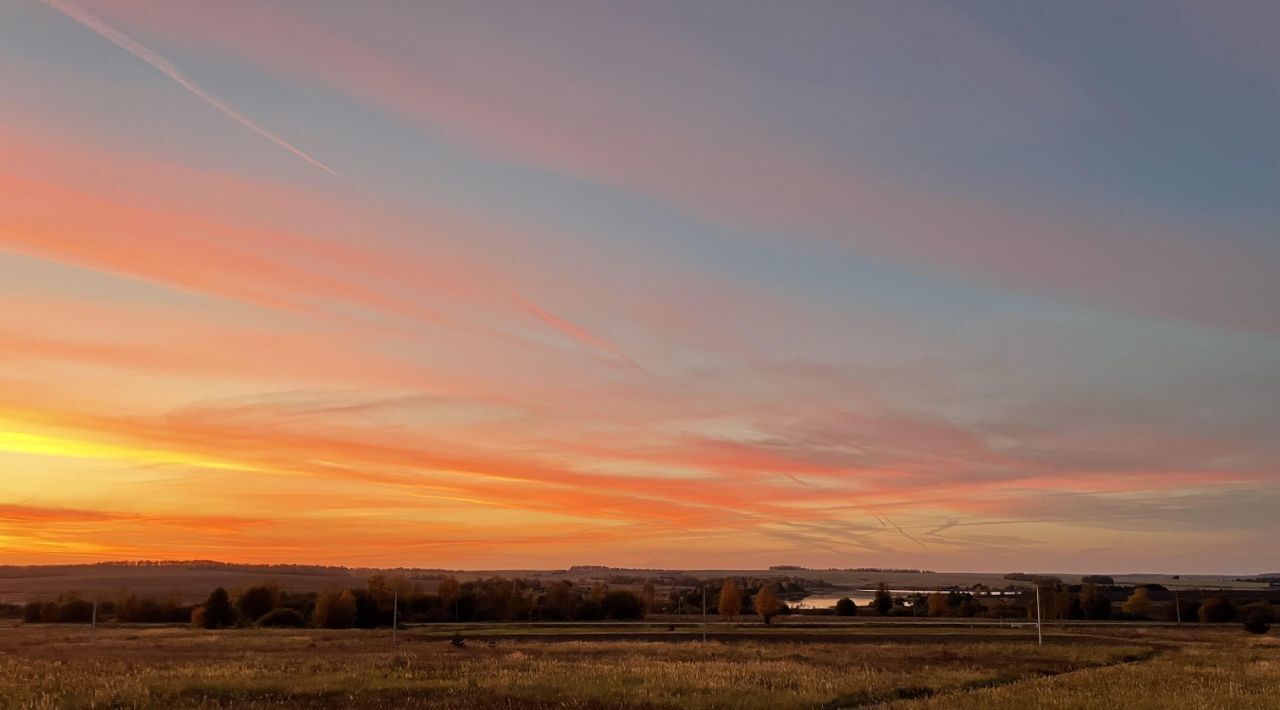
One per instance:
(75, 611)
(1217, 610)
(621, 606)
(147, 610)
(71, 610)
(257, 601)
(282, 618)
(1258, 618)
(846, 607)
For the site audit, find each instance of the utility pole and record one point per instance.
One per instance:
(1039, 621)
(1177, 608)
(93, 630)
(704, 612)
(395, 617)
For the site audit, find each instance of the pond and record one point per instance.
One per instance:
(864, 597)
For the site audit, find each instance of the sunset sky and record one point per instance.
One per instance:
(966, 286)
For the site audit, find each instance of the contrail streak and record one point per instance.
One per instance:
(578, 333)
(167, 68)
(144, 53)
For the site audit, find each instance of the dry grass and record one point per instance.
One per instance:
(1214, 670)
(55, 667)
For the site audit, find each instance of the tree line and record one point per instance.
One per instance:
(383, 599)
(1059, 601)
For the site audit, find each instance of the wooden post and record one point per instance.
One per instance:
(1039, 621)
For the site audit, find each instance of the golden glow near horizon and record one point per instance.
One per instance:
(334, 297)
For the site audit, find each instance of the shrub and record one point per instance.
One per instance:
(1258, 618)
(282, 618)
(846, 607)
(133, 609)
(622, 605)
(1217, 610)
(75, 611)
(67, 610)
(255, 602)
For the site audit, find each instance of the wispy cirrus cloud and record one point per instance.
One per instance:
(856, 285)
(164, 66)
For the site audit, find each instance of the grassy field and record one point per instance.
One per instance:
(60, 666)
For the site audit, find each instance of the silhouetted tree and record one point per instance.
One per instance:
(621, 605)
(448, 590)
(589, 610)
(767, 603)
(1138, 603)
(1095, 604)
(1188, 610)
(846, 607)
(883, 601)
(937, 604)
(217, 612)
(255, 602)
(368, 613)
(1055, 600)
(335, 610)
(559, 602)
(647, 595)
(730, 599)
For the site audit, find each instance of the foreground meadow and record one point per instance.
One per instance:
(56, 667)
